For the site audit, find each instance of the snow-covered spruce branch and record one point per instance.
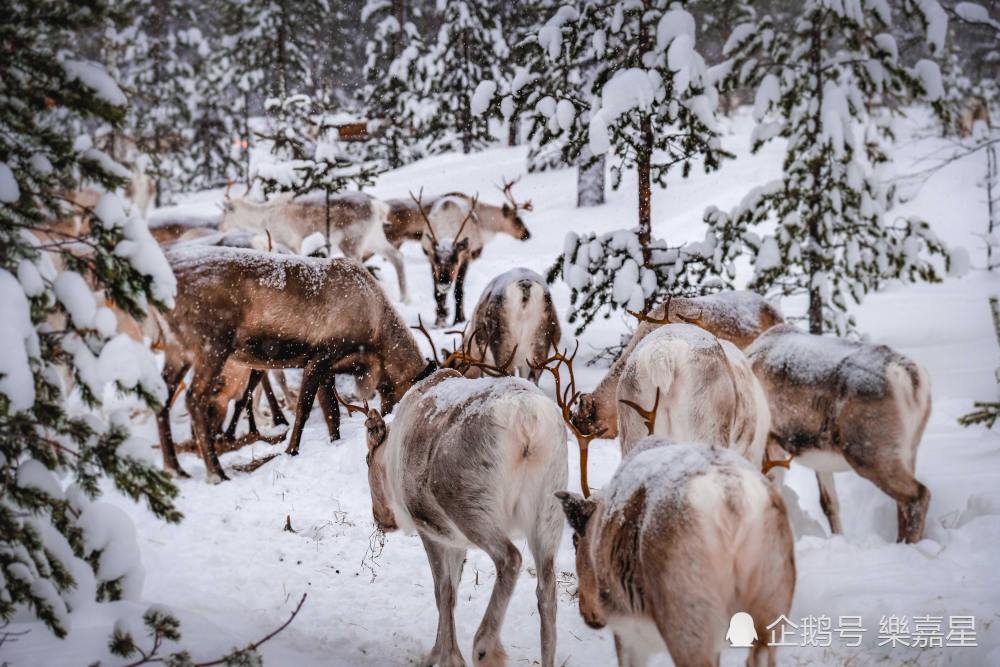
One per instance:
(607, 273)
(162, 627)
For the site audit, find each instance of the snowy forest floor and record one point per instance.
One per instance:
(232, 574)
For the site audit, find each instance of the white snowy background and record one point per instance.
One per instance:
(232, 574)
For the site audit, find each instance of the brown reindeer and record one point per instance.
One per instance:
(683, 537)
(839, 405)
(738, 317)
(456, 228)
(406, 223)
(515, 321)
(357, 225)
(474, 462)
(253, 307)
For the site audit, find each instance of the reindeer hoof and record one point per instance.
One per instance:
(292, 452)
(178, 472)
(217, 478)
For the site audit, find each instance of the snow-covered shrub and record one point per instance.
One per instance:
(817, 80)
(608, 272)
(59, 549)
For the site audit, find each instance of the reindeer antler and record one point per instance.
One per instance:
(418, 200)
(768, 464)
(506, 188)
(422, 329)
(565, 398)
(648, 416)
(470, 214)
(351, 408)
(645, 317)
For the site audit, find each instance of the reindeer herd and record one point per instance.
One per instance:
(711, 397)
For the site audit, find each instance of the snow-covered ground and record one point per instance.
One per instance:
(232, 573)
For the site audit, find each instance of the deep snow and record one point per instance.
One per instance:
(232, 573)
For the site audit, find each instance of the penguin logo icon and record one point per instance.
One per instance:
(741, 633)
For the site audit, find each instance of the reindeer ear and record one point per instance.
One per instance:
(578, 510)
(505, 210)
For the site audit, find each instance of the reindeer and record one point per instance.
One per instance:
(248, 306)
(515, 320)
(473, 462)
(356, 225)
(683, 537)
(451, 242)
(839, 405)
(405, 220)
(977, 110)
(738, 317)
(701, 388)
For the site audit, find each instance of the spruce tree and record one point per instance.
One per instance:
(817, 79)
(469, 47)
(626, 80)
(154, 60)
(56, 445)
(391, 95)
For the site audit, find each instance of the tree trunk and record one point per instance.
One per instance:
(512, 130)
(590, 180)
(815, 215)
(992, 180)
(645, 190)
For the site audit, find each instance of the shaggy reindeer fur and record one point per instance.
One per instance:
(683, 537)
(357, 225)
(708, 392)
(738, 317)
(839, 405)
(252, 307)
(474, 462)
(515, 320)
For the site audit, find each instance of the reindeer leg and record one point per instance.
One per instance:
(328, 404)
(441, 306)
(446, 568)
(828, 501)
(487, 650)
(895, 478)
(395, 258)
(277, 416)
(245, 402)
(172, 377)
(544, 543)
(204, 418)
(290, 397)
(460, 293)
(311, 377)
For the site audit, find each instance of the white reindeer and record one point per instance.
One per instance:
(702, 389)
(474, 462)
(683, 537)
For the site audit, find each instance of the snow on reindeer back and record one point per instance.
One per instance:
(803, 358)
(664, 469)
(738, 311)
(473, 395)
(695, 337)
(500, 283)
(270, 269)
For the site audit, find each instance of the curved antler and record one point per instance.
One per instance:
(565, 398)
(506, 189)
(648, 416)
(422, 329)
(468, 216)
(418, 200)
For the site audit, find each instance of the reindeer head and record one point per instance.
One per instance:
(378, 433)
(581, 514)
(446, 256)
(511, 208)
(584, 417)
